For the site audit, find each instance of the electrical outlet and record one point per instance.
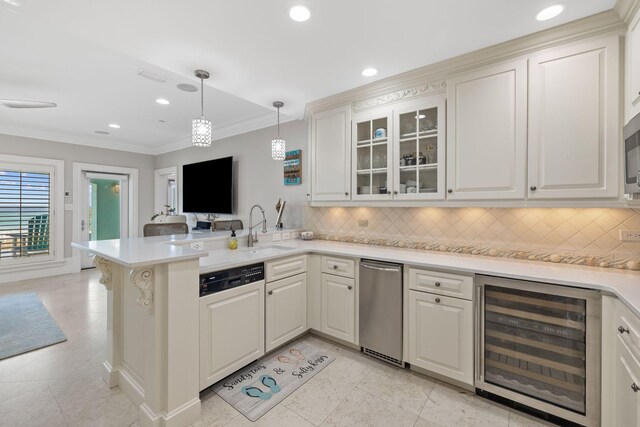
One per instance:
(275, 237)
(363, 223)
(629, 236)
(197, 245)
(286, 236)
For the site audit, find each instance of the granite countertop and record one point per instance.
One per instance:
(154, 250)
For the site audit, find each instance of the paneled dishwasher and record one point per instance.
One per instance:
(539, 345)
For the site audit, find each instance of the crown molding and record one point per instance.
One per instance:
(626, 9)
(400, 95)
(67, 139)
(605, 22)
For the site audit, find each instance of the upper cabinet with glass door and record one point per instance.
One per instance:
(372, 152)
(420, 150)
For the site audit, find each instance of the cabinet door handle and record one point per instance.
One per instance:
(349, 287)
(437, 299)
(270, 292)
(622, 329)
(438, 284)
(449, 191)
(635, 387)
(533, 188)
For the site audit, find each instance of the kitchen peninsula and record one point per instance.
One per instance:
(153, 303)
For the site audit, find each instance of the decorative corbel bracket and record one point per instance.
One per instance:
(105, 267)
(401, 95)
(143, 280)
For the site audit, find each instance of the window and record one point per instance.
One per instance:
(28, 226)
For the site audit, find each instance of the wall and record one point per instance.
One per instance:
(586, 236)
(107, 209)
(259, 179)
(70, 153)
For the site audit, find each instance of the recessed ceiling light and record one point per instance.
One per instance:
(299, 13)
(187, 87)
(114, 125)
(101, 132)
(550, 12)
(368, 72)
(163, 101)
(15, 3)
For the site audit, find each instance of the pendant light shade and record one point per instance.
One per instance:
(201, 127)
(278, 145)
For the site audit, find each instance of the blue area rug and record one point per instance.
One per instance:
(25, 325)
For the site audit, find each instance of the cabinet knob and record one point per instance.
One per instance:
(388, 192)
(533, 188)
(622, 329)
(449, 191)
(335, 267)
(346, 193)
(635, 387)
(395, 192)
(437, 299)
(308, 194)
(438, 284)
(270, 292)
(349, 287)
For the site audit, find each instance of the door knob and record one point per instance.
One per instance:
(437, 299)
(622, 329)
(349, 287)
(270, 292)
(533, 188)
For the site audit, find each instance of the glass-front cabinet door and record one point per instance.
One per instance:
(372, 153)
(419, 149)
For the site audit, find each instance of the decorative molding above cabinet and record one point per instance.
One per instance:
(539, 129)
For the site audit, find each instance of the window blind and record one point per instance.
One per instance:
(25, 211)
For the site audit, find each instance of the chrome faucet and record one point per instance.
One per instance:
(254, 239)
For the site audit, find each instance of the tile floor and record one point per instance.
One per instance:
(61, 385)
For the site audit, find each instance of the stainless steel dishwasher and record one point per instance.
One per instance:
(380, 287)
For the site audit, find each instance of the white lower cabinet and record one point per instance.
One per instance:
(441, 335)
(627, 387)
(338, 307)
(286, 310)
(231, 331)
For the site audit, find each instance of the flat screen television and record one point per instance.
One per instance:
(207, 187)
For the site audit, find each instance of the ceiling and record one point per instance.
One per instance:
(85, 55)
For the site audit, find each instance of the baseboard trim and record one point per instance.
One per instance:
(38, 270)
(184, 415)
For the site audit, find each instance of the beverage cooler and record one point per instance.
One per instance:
(539, 345)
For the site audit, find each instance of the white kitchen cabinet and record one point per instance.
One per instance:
(441, 335)
(286, 310)
(372, 153)
(487, 132)
(419, 149)
(285, 267)
(632, 69)
(626, 399)
(339, 307)
(574, 127)
(231, 331)
(331, 155)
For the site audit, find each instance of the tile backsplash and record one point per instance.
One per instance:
(588, 236)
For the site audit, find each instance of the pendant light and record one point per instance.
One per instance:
(201, 127)
(278, 144)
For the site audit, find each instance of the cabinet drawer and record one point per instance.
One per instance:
(436, 282)
(628, 328)
(286, 267)
(339, 266)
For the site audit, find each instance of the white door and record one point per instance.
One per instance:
(105, 209)
(574, 122)
(286, 310)
(487, 133)
(338, 307)
(441, 335)
(627, 388)
(231, 331)
(331, 155)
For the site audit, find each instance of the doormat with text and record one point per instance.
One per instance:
(254, 390)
